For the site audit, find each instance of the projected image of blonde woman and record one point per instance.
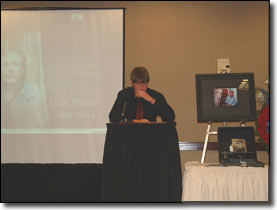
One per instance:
(22, 105)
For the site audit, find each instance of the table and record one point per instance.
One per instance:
(141, 163)
(205, 182)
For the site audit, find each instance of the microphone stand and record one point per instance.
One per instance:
(123, 118)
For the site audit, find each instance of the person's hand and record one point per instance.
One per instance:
(141, 121)
(145, 96)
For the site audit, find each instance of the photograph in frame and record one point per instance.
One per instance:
(225, 97)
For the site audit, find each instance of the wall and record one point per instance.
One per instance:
(176, 40)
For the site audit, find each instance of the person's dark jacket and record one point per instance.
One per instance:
(126, 97)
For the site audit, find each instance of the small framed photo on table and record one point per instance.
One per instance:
(237, 146)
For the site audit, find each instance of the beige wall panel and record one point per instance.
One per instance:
(176, 40)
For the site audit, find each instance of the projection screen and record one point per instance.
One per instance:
(61, 71)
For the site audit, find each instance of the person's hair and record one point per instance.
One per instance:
(140, 74)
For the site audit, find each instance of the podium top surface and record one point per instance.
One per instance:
(131, 124)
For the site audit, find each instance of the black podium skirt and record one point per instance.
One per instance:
(141, 163)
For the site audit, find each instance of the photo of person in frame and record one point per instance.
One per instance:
(225, 97)
(231, 99)
(239, 146)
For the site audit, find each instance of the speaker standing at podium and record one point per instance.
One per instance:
(141, 161)
(139, 103)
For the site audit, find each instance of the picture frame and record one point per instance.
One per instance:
(225, 97)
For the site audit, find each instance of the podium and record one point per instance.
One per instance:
(141, 163)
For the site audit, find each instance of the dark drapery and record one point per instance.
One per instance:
(51, 182)
(141, 163)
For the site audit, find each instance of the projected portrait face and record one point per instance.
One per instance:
(23, 103)
(12, 67)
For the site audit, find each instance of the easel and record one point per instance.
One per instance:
(208, 133)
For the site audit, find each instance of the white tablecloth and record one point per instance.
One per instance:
(232, 183)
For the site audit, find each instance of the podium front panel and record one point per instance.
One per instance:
(142, 163)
